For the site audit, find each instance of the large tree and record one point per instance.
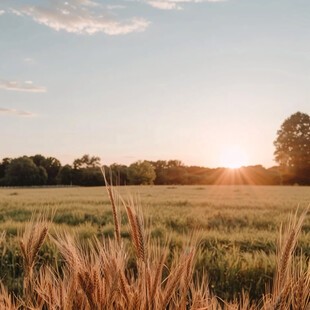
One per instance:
(293, 146)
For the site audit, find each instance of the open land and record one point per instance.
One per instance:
(238, 225)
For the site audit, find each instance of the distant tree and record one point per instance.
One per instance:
(176, 172)
(160, 167)
(3, 168)
(43, 177)
(51, 164)
(141, 172)
(86, 171)
(170, 172)
(293, 147)
(4, 165)
(118, 173)
(174, 163)
(23, 171)
(64, 176)
(38, 159)
(86, 161)
(91, 176)
(197, 174)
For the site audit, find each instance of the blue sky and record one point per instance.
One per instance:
(142, 79)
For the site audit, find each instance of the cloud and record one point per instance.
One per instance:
(26, 86)
(16, 112)
(16, 12)
(2, 12)
(85, 2)
(174, 4)
(165, 5)
(78, 16)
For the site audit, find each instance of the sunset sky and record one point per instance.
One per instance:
(151, 79)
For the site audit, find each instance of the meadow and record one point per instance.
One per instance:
(238, 226)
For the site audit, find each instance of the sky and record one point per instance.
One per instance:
(125, 80)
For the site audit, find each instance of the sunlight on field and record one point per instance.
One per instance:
(239, 224)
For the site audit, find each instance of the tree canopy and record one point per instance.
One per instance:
(141, 172)
(51, 165)
(86, 161)
(293, 148)
(23, 171)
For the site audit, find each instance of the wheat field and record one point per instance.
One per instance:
(237, 228)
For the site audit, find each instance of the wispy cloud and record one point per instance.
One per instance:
(79, 16)
(16, 12)
(86, 2)
(2, 12)
(165, 5)
(174, 4)
(4, 111)
(26, 86)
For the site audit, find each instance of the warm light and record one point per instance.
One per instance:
(233, 157)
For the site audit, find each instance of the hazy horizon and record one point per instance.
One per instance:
(126, 80)
(110, 161)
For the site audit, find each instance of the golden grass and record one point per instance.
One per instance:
(96, 276)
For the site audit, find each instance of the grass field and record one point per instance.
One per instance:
(239, 225)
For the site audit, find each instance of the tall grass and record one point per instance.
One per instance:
(99, 273)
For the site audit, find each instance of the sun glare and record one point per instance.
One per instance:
(233, 157)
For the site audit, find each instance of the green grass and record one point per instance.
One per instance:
(239, 225)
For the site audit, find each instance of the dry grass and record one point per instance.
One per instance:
(96, 276)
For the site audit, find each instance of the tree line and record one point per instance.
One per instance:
(292, 153)
(86, 171)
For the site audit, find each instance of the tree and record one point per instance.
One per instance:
(160, 167)
(64, 176)
(293, 147)
(141, 172)
(23, 171)
(50, 164)
(4, 166)
(38, 159)
(86, 162)
(118, 173)
(86, 171)
(170, 172)
(176, 172)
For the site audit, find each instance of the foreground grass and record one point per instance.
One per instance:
(239, 226)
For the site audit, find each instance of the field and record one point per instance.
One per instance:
(238, 225)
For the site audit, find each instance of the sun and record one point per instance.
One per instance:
(233, 157)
